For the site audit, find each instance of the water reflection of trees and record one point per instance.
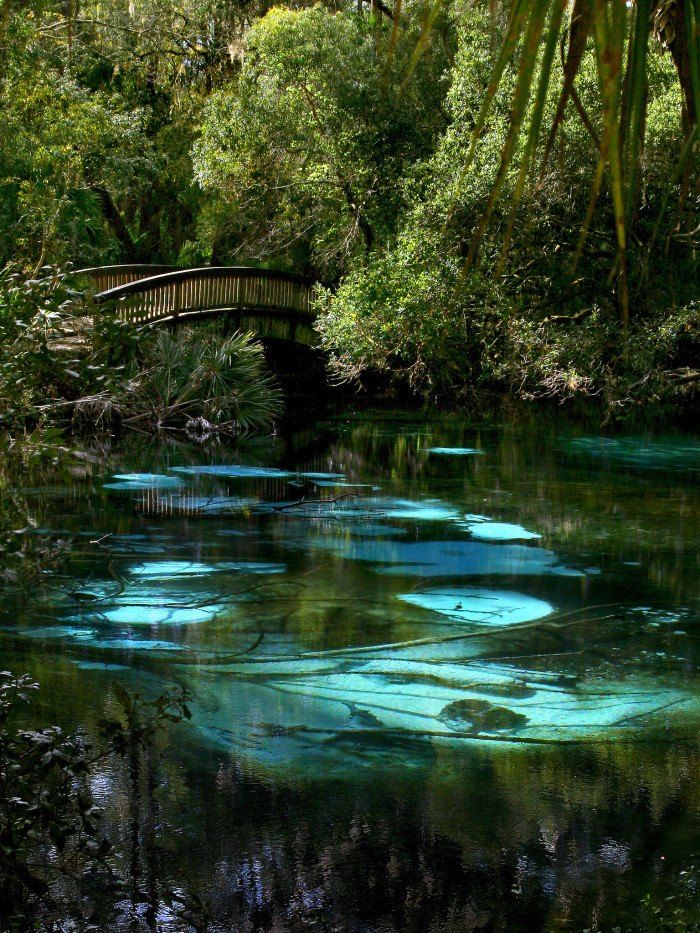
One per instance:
(469, 841)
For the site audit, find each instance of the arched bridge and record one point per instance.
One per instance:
(267, 303)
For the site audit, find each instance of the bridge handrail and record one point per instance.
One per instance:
(192, 293)
(106, 277)
(135, 267)
(172, 277)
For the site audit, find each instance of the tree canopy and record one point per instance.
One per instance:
(499, 197)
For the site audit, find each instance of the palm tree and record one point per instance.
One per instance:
(620, 32)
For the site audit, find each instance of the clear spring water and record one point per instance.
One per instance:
(443, 676)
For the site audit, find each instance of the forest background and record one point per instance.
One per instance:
(499, 200)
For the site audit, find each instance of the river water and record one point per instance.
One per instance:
(444, 676)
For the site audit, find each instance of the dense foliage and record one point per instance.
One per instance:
(499, 199)
(49, 824)
(65, 361)
(58, 868)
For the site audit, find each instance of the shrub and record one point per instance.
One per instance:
(200, 374)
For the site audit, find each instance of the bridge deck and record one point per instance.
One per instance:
(268, 303)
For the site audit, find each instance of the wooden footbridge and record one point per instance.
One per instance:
(270, 304)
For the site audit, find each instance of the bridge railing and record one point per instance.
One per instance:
(187, 292)
(103, 278)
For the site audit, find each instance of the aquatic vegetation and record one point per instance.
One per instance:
(480, 716)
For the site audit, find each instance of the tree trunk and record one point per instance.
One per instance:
(116, 222)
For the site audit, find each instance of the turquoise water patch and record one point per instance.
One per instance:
(289, 713)
(149, 609)
(210, 505)
(252, 566)
(499, 531)
(480, 606)
(454, 451)
(354, 507)
(241, 471)
(57, 631)
(140, 644)
(138, 481)
(167, 569)
(641, 453)
(342, 484)
(422, 510)
(446, 558)
(173, 569)
(234, 471)
(373, 530)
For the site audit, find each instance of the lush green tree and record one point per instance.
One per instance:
(453, 322)
(304, 154)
